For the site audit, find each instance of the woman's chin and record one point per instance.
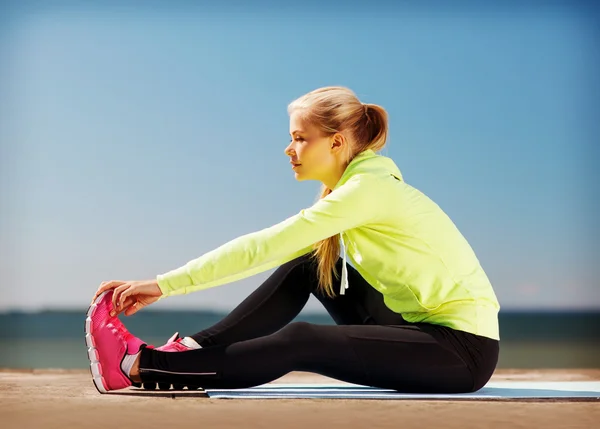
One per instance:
(299, 174)
(299, 177)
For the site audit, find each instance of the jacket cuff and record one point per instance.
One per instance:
(174, 282)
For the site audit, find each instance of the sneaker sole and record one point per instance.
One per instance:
(95, 367)
(166, 386)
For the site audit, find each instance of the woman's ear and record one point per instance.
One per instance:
(338, 141)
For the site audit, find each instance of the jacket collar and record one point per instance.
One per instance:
(366, 161)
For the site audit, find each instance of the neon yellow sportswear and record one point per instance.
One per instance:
(398, 239)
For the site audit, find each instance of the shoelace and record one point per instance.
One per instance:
(121, 329)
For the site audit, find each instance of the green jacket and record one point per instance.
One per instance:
(399, 240)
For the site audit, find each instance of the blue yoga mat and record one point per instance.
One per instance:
(589, 390)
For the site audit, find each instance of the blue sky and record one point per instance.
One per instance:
(135, 139)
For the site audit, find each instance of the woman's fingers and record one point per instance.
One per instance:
(125, 306)
(117, 295)
(104, 286)
(134, 308)
(127, 293)
(124, 296)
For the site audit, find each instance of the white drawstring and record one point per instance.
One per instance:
(344, 284)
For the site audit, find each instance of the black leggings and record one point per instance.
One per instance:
(370, 345)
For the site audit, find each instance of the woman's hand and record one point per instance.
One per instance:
(130, 296)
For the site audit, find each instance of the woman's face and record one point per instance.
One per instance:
(312, 152)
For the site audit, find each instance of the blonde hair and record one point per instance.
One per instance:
(336, 109)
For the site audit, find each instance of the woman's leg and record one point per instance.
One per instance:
(412, 358)
(282, 296)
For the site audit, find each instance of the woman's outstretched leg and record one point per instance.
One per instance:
(281, 297)
(413, 358)
(274, 304)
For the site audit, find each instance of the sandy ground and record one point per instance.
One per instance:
(67, 398)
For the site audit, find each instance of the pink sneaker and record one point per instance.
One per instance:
(174, 344)
(108, 342)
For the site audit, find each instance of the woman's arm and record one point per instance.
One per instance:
(355, 203)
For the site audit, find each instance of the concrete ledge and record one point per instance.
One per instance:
(59, 398)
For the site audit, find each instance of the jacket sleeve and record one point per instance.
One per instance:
(353, 204)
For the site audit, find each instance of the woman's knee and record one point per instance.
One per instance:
(310, 264)
(302, 269)
(299, 263)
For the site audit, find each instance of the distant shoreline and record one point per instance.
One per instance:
(564, 325)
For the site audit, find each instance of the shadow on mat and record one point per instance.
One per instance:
(484, 394)
(509, 393)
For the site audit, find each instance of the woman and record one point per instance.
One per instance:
(415, 313)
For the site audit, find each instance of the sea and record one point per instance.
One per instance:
(55, 339)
